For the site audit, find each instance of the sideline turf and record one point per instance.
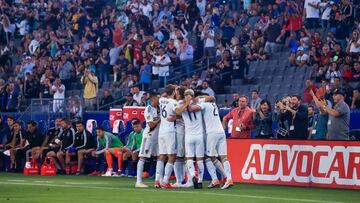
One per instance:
(20, 188)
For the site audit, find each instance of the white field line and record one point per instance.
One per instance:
(173, 191)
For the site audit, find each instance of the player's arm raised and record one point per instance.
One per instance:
(179, 109)
(205, 98)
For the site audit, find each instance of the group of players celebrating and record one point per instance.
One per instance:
(183, 127)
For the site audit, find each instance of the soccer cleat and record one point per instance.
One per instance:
(195, 181)
(214, 184)
(176, 185)
(108, 173)
(141, 185)
(188, 184)
(168, 186)
(228, 184)
(95, 173)
(157, 184)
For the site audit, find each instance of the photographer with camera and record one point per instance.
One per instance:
(90, 82)
(297, 113)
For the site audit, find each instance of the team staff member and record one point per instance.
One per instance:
(34, 139)
(242, 119)
(61, 144)
(84, 145)
(15, 144)
(110, 145)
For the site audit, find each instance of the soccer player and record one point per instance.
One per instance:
(149, 144)
(110, 145)
(62, 143)
(180, 138)
(34, 139)
(215, 142)
(194, 136)
(49, 139)
(15, 142)
(167, 138)
(132, 148)
(84, 145)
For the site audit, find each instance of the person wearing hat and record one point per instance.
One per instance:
(129, 100)
(90, 82)
(339, 117)
(302, 58)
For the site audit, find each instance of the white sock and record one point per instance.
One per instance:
(187, 173)
(220, 168)
(139, 171)
(159, 170)
(201, 169)
(211, 169)
(179, 171)
(168, 170)
(227, 169)
(191, 168)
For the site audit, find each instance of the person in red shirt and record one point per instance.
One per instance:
(118, 34)
(242, 119)
(347, 73)
(326, 55)
(308, 86)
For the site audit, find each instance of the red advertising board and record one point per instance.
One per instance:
(332, 164)
(115, 114)
(131, 112)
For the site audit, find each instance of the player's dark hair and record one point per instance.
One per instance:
(99, 128)
(79, 122)
(11, 118)
(169, 90)
(135, 121)
(181, 91)
(67, 121)
(153, 94)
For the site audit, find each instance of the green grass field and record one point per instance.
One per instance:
(20, 188)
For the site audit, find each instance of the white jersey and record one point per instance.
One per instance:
(193, 122)
(179, 120)
(166, 110)
(151, 114)
(212, 122)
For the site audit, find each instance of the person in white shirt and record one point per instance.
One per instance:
(312, 13)
(255, 99)
(186, 56)
(58, 90)
(215, 143)
(137, 94)
(149, 143)
(302, 58)
(325, 17)
(206, 89)
(146, 8)
(207, 35)
(167, 138)
(201, 4)
(194, 136)
(161, 63)
(23, 26)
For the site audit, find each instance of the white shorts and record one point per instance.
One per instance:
(194, 146)
(216, 145)
(167, 143)
(180, 141)
(149, 147)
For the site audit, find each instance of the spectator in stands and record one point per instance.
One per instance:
(242, 119)
(161, 63)
(356, 71)
(75, 108)
(319, 131)
(339, 117)
(312, 119)
(263, 120)
(129, 100)
(235, 102)
(333, 72)
(208, 35)
(273, 31)
(90, 82)
(145, 74)
(354, 44)
(312, 13)
(45, 89)
(298, 115)
(103, 65)
(132, 148)
(308, 86)
(355, 104)
(33, 139)
(106, 100)
(207, 89)
(302, 58)
(137, 94)
(64, 70)
(58, 91)
(186, 56)
(240, 66)
(83, 146)
(255, 100)
(12, 98)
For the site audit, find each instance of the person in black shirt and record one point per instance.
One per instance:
(355, 104)
(61, 144)
(4, 132)
(33, 139)
(240, 67)
(107, 99)
(15, 144)
(298, 114)
(45, 92)
(83, 146)
(49, 140)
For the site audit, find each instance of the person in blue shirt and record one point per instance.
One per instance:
(145, 74)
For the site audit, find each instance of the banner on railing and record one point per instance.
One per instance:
(334, 164)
